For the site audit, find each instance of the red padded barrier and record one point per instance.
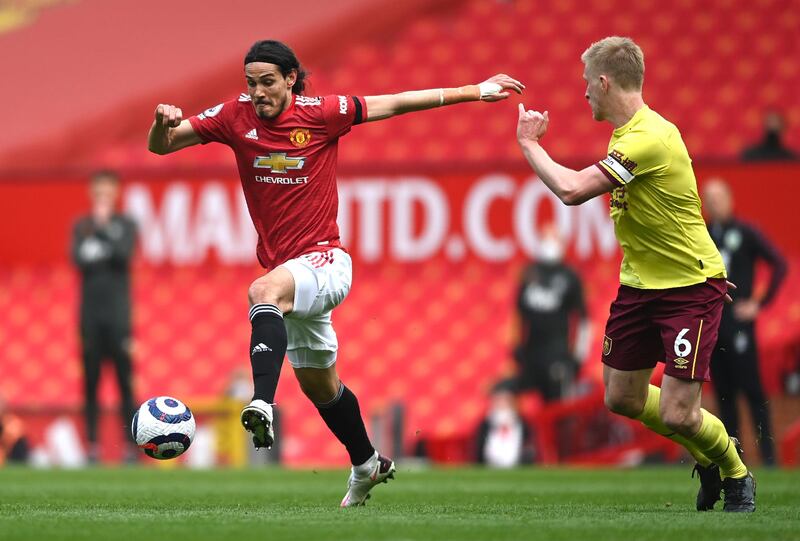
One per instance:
(426, 332)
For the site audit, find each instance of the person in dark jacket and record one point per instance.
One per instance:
(771, 146)
(14, 445)
(734, 364)
(554, 322)
(102, 246)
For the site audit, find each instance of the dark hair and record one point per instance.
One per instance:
(105, 174)
(278, 53)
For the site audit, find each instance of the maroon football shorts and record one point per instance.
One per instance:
(678, 327)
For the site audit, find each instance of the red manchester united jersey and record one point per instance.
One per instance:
(288, 168)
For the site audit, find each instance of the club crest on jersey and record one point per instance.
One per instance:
(279, 162)
(300, 137)
(211, 112)
(607, 343)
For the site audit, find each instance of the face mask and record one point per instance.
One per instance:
(550, 251)
(503, 417)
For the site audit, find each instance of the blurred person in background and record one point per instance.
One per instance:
(102, 247)
(734, 363)
(672, 278)
(14, 446)
(286, 148)
(503, 436)
(549, 300)
(771, 146)
(240, 386)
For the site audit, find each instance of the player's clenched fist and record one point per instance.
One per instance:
(532, 125)
(168, 116)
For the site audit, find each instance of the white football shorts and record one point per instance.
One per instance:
(322, 280)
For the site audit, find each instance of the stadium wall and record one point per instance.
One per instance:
(437, 259)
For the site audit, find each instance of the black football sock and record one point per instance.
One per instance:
(343, 417)
(267, 349)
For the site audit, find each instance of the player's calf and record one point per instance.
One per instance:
(268, 341)
(342, 414)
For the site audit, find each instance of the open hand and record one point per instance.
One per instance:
(168, 116)
(531, 125)
(495, 88)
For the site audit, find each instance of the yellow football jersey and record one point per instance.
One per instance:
(656, 208)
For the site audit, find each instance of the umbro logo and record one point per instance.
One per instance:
(252, 135)
(681, 363)
(260, 348)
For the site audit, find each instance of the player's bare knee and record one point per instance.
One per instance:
(682, 420)
(260, 292)
(622, 404)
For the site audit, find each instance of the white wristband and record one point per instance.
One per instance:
(489, 89)
(441, 97)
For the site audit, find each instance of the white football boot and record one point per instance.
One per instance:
(378, 469)
(257, 418)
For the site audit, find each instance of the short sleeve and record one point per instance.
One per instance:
(212, 124)
(340, 113)
(633, 155)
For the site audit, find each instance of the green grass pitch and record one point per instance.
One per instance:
(441, 504)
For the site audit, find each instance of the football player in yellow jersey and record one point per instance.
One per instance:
(672, 279)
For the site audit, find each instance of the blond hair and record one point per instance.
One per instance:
(618, 57)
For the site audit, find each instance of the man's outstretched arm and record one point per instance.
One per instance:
(169, 131)
(494, 89)
(572, 187)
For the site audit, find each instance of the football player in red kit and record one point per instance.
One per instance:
(286, 149)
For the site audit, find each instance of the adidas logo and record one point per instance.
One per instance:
(260, 348)
(252, 135)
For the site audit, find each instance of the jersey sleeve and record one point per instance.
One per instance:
(633, 155)
(340, 113)
(212, 125)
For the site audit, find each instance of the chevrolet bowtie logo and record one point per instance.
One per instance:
(279, 162)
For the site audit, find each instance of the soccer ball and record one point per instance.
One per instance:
(163, 427)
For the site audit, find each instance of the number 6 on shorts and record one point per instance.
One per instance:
(682, 346)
